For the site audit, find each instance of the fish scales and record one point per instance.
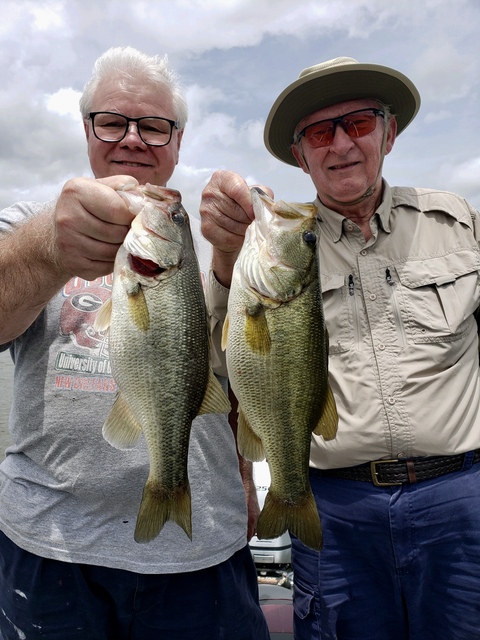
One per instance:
(160, 353)
(277, 358)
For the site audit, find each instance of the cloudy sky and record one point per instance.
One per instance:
(234, 58)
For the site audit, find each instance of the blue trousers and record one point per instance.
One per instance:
(398, 563)
(54, 600)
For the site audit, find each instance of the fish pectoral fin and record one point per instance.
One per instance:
(328, 423)
(257, 334)
(121, 429)
(215, 399)
(104, 315)
(249, 444)
(159, 505)
(137, 306)
(225, 327)
(301, 519)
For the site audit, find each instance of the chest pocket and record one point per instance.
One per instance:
(340, 312)
(439, 295)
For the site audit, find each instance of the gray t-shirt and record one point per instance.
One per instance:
(65, 493)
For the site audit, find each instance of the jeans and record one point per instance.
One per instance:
(398, 563)
(41, 598)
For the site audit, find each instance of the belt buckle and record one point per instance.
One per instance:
(374, 472)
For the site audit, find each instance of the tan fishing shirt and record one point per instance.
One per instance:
(403, 361)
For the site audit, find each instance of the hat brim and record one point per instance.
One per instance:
(331, 86)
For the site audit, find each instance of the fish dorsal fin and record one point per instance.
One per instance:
(327, 425)
(215, 399)
(121, 429)
(249, 444)
(226, 325)
(257, 334)
(104, 315)
(137, 306)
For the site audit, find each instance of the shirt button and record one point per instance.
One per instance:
(350, 227)
(373, 296)
(381, 347)
(391, 401)
(401, 454)
(363, 252)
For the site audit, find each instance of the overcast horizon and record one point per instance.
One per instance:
(234, 58)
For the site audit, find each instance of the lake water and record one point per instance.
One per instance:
(6, 385)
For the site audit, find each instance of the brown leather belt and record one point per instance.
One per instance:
(387, 473)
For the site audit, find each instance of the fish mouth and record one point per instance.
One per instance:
(144, 267)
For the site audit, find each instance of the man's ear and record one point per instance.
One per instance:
(298, 155)
(391, 135)
(179, 142)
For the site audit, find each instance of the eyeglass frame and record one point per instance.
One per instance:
(337, 121)
(172, 123)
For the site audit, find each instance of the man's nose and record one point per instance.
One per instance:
(133, 135)
(341, 139)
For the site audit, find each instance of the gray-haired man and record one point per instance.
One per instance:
(397, 490)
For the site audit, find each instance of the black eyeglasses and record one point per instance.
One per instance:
(356, 124)
(113, 127)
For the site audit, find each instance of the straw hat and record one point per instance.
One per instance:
(332, 82)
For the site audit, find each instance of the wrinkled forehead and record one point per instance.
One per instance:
(336, 110)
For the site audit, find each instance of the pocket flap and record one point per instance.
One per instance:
(302, 601)
(332, 282)
(439, 270)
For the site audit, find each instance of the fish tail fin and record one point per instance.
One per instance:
(159, 505)
(301, 519)
(328, 423)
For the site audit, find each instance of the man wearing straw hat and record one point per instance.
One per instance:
(398, 489)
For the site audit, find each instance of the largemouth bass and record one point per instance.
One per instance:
(277, 358)
(159, 352)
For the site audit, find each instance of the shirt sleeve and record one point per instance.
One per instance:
(216, 296)
(20, 212)
(475, 215)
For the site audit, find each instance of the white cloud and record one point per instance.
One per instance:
(235, 57)
(447, 71)
(48, 16)
(437, 116)
(463, 178)
(65, 102)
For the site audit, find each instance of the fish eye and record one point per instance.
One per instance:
(309, 237)
(178, 216)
